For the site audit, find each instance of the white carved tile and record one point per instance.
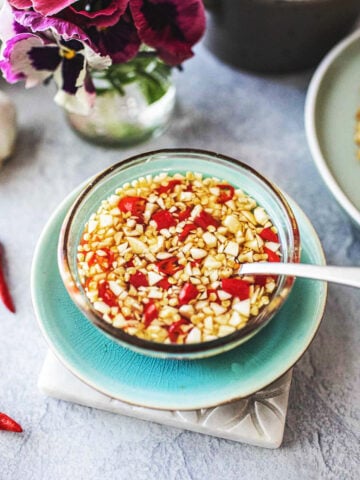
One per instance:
(257, 420)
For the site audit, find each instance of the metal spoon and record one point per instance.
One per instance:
(343, 275)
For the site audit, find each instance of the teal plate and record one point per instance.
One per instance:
(174, 384)
(332, 101)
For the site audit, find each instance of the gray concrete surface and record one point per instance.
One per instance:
(257, 119)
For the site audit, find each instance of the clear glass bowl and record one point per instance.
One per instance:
(174, 161)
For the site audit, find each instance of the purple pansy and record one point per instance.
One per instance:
(100, 13)
(36, 59)
(120, 41)
(45, 7)
(66, 39)
(172, 27)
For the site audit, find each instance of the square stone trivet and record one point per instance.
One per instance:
(257, 420)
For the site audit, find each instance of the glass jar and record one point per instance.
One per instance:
(134, 101)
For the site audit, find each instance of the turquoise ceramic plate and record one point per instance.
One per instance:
(172, 384)
(332, 102)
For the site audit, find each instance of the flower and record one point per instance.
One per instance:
(45, 7)
(171, 27)
(65, 61)
(67, 40)
(90, 14)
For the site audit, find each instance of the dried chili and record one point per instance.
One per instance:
(8, 424)
(5, 295)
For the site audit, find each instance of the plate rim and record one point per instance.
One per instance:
(311, 131)
(62, 358)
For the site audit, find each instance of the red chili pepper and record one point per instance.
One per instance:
(104, 261)
(164, 283)
(169, 187)
(196, 263)
(129, 264)
(210, 291)
(204, 219)
(226, 193)
(175, 329)
(236, 287)
(185, 214)
(268, 235)
(186, 230)
(134, 205)
(150, 313)
(187, 293)
(272, 256)
(5, 295)
(169, 266)
(107, 295)
(139, 279)
(260, 280)
(163, 219)
(8, 424)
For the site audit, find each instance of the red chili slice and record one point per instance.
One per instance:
(134, 205)
(104, 261)
(163, 219)
(187, 293)
(175, 329)
(186, 230)
(204, 219)
(185, 214)
(8, 424)
(139, 279)
(164, 283)
(272, 256)
(169, 187)
(260, 280)
(268, 235)
(226, 193)
(169, 266)
(150, 313)
(107, 295)
(236, 287)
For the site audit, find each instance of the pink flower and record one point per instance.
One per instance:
(120, 41)
(45, 7)
(102, 17)
(172, 27)
(100, 14)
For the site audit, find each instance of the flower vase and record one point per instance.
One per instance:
(134, 101)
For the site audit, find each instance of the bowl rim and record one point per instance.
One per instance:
(156, 348)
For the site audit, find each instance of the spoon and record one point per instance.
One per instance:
(343, 275)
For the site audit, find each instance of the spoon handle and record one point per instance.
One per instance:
(343, 275)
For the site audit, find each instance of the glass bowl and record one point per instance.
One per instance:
(174, 161)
